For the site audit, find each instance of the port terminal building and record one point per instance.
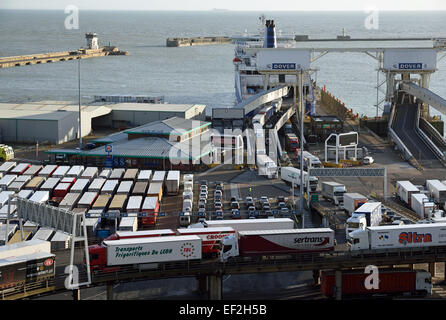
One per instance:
(57, 122)
(170, 144)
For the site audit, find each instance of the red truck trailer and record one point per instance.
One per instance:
(121, 235)
(277, 242)
(210, 237)
(150, 208)
(391, 281)
(292, 142)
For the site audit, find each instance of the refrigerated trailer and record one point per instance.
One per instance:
(140, 188)
(7, 180)
(155, 190)
(111, 255)
(110, 187)
(399, 237)
(159, 176)
(353, 201)
(20, 168)
(7, 166)
(16, 186)
(150, 208)
(27, 269)
(210, 237)
(33, 170)
(391, 281)
(60, 241)
(40, 196)
(96, 185)
(121, 235)
(404, 190)
(130, 174)
(128, 224)
(118, 202)
(102, 202)
(437, 190)
(105, 173)
(49, 185)
(144, 175)
(277, 242)
(75, 171)
(35, 183)
(61, 190)
(422, 206)
(334, 191)
(87, 200)
(125, 187)
(173, 182)
(367, 215)
(117, 173)
(90, 173)
(48, 170)
(248, 224)
(80, 186)
(44, 234)
(134, 204)
(292, 176)
(61, 171)
(70, 200)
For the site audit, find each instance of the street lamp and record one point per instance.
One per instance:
(79, 91)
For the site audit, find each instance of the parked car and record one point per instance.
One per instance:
(90, 146)
(235, 205)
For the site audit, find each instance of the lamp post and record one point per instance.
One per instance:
(79, 91)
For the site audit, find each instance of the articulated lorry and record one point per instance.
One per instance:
(266, 166)
(437, 190)
(391, 281)
(114, 254)
(367, 215)
(292, 176)
(404, 191)
(399, 237)
(334, 191)
(276, 242)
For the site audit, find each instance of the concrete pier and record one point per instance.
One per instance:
(196, 41)
(18, 61)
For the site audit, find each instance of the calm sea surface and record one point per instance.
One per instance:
(203, 74)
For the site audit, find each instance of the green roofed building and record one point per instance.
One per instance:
(174, 143)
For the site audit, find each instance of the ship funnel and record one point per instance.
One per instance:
(270, 35)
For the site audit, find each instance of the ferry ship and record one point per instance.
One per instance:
(248, 81)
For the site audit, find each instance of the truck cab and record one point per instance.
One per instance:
(355, 222)
(359, 240)
(98, 259)
(229, 248)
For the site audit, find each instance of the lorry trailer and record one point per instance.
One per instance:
(292, 176)
(26, 269)
(128, 224)
(75, 171)
(90, 173)
(130, 174)
(112, 255)
(110, 187)
(150, 210)
(437, 190)
(159, 176)
(24, 248)
(7, 166)
(266, 166)
(33, 170)
(61, 171)
(155, 190)
(367, 215)
(101, 202)
(391, 281)
(70, 201)
(105, 173)
(144, 175)
(399, 237)
(422, 206)
(140, 188)
(248, 224)
(121, 235)
(118, 202)
(80, 186)
(125, 187)
(404, 191)
(87, 200)
(47, 170)
(35, 183)
(353, 201)
(117, 173)
(96, 185)
(277, 242)
(210, 237)
(20, 168)
(173, 182)
(334, 191)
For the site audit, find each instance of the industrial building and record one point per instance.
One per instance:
(174, 143)
(57, 122)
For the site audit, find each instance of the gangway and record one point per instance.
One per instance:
(253, 103)
(405, 132)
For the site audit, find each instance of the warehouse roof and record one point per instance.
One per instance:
(154, 147)
(33, 114)
(154, 107)
(169, 126)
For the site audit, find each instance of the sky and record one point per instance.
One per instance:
(244, 5)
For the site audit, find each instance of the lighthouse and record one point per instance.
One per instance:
(92, 40)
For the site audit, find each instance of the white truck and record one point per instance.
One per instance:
(404, 191)
(128, 224)
(266, 166)
(292, 175)
(422, 206)
(173, 182)
(276, 242)
(353, 201)
(248, 224)
(334, 191)
(399, 237)
(437, 190)
(367, 215)
(112, 254)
